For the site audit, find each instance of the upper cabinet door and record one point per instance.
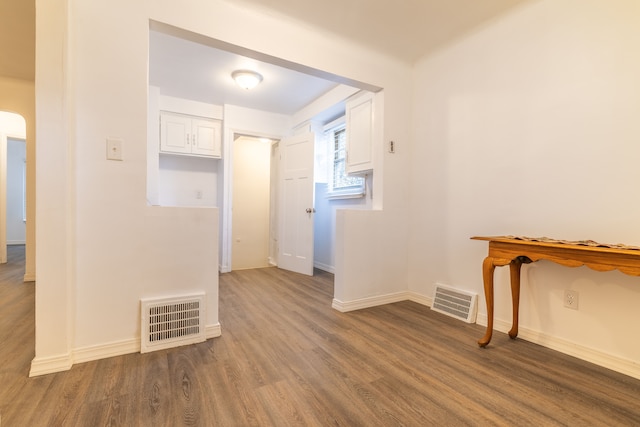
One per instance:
(208, 137)
(359, 125)
(190, 135)
(175, 133)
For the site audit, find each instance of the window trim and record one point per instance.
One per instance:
(350, 192)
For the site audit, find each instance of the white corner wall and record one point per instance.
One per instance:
(529, 126)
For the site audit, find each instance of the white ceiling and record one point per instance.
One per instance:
(199, 72)
(404, 29)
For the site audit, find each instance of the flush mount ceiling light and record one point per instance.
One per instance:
(246, 79)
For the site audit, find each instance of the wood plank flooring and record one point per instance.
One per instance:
(285, 358)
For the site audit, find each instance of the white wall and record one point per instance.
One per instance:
(12, 124)
(16, 156)
(55, 245)
(529, 126)
(324, 225)
(188, 181)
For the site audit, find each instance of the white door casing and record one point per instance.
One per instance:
(295, 251)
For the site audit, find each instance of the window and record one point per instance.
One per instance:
(341, 185)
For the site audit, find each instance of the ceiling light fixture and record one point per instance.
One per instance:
(246, 79)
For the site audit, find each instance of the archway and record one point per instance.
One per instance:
(13, 132)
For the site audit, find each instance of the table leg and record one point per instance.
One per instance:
(488, 267)
(487, 276)
(514, 268)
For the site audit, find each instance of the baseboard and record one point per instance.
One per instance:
(29, 277)
(358, 304)
(213, 331)
(50, 365)
(324, 267)
(16, 242)
(103, 351)
(597, 357)
(420, 299)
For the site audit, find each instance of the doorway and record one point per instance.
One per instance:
(13, 131)
(253, 211)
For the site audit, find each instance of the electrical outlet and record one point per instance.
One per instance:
(571, 299)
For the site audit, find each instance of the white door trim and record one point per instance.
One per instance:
(226, 223)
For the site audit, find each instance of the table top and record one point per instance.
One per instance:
(597, 256)
(568, 244)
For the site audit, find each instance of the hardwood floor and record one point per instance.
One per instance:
(286, 358)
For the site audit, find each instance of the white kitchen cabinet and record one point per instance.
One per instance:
(359, 133)
(189, 135)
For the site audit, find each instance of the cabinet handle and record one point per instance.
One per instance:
(187, 139)
(193, 139)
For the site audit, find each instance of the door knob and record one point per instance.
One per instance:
(310, 210)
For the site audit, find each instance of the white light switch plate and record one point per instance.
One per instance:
(114, 149)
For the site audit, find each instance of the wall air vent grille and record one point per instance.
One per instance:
(171, 322)
(455, 303)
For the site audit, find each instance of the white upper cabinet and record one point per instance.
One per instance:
(359, 125)
(190, 135)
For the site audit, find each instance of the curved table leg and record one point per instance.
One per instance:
(488, 267)
(514, 268)
(487, 275)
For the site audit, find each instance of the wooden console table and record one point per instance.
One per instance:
(515, 251)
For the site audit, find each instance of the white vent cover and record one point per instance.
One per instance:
(455, 303)
(171, 322)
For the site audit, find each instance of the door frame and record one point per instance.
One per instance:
(4, 137)
(226, 211)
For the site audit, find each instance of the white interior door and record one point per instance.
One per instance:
(295, 251)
